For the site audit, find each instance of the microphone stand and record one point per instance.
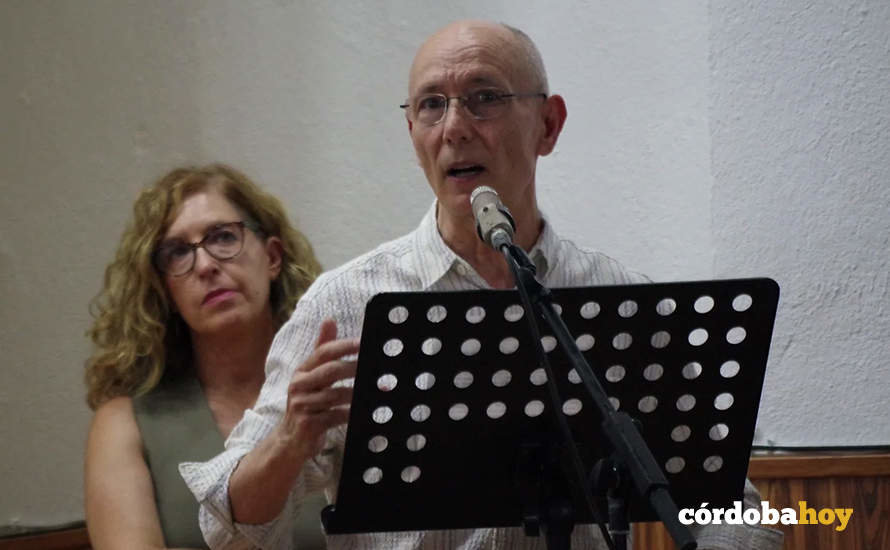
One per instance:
(630, 465)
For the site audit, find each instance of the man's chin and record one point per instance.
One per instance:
(456, 206)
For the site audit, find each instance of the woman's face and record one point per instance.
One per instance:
(219, 295)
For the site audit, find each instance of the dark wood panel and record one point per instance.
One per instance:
(868, 527)
(811, 465)
(69, 539)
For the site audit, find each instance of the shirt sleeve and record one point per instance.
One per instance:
(209, 481)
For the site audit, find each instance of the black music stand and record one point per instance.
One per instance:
(448, 400)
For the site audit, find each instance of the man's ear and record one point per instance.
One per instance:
(411, 135)
(275, 252)
(554, 113)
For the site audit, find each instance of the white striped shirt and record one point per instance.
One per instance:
(419, 261)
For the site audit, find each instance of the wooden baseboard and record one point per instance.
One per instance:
(68, 539)
(818, 465)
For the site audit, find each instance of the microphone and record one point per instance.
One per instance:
(494, 223)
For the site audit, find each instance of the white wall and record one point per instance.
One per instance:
(800, 123)
(704, 140)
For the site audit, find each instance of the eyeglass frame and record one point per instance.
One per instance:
(193, 247)
(463, 99)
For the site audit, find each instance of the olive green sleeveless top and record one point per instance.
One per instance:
(177, 426)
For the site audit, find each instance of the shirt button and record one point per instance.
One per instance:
(461, 269)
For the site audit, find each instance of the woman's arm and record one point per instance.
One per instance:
(119, 497)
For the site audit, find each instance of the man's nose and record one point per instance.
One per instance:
(458, 124)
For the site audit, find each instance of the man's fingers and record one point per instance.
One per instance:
(336, 349)
(335, 417)
(321, 401)
(327, 332)
(329, 351)
(321, 376)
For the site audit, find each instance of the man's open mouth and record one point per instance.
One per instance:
(466, 171)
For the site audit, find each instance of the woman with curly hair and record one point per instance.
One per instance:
(206, 272)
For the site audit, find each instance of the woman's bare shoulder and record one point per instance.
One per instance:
(114, 424)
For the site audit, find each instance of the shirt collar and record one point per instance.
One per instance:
(435, 258)
(544, 253)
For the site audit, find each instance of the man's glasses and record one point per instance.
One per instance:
(430, 109)
(223, 241)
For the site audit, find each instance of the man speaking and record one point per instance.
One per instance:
(479, 112)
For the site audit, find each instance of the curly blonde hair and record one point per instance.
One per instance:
(136, 335)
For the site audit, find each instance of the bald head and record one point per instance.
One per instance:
(517, 50)
(533, 64)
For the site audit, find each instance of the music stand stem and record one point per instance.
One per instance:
(556, 516)
(631, 454)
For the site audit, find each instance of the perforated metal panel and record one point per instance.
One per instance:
(448, 388)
